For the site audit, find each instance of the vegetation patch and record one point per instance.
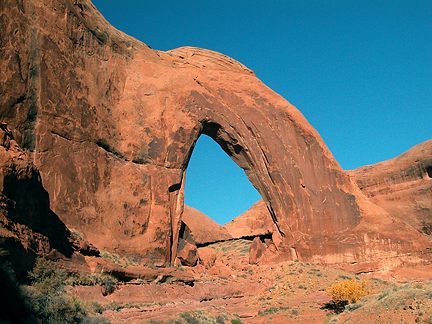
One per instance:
(348, 292)
(46, 297)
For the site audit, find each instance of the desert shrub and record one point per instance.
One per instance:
(348, 292)
(204, 317)
(268, 311)
(221, 319)
(13, 308)
(104, 280)
(351, 307)
(47, 297)
(418, 286)
(345, 277)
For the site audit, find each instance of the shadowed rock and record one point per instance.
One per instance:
(28, 227)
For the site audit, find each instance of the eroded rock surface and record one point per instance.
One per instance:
(28, 227)
(402, 186)
(111, 125)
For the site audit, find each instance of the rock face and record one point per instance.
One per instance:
(111, 125)
(256, 221)
(402, 186)
(203, 228)
(28, 228)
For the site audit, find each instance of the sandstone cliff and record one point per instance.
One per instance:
(111, 124)
(28, 227)
(402, 186)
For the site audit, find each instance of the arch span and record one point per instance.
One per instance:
(112, 140)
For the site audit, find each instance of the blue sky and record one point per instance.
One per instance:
(359, 71)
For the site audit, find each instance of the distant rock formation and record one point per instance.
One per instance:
(402, 186)
(256, 221)
(111, 124)
(203, 228)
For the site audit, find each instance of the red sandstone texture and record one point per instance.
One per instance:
(111, 124)
(402, 186)
(28, 227)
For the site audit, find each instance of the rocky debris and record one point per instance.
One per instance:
(402, 186)
(187, 253)
(111, 125)
(203, 228)
(256, 221)
(132, 272)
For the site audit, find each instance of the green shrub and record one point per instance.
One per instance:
(104, 280)
(47, 297)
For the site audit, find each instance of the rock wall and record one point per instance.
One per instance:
(402, 186)
(28, 227)
(111, 125)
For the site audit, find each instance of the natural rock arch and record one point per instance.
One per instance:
(111, 124)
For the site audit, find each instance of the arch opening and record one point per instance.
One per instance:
(429, 171)
(215, 184)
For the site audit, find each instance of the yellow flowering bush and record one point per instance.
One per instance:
(348, 291)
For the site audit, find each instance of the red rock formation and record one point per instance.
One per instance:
(256, 221)
(28, 228)
(402, 186)
(111, 125)
(203, 228)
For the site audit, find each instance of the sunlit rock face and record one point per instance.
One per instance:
(204, 229)
(111, 125)
(402, 186)
(256, 221)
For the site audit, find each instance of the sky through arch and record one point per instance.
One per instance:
(215, 185)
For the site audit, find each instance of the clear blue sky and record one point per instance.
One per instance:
(360, 71)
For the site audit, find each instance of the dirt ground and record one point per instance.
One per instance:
(234, 291)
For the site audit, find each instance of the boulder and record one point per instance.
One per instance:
(187, 253)
(207, 256)
(256, 250)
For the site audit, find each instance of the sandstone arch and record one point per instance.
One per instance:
(111, 124)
